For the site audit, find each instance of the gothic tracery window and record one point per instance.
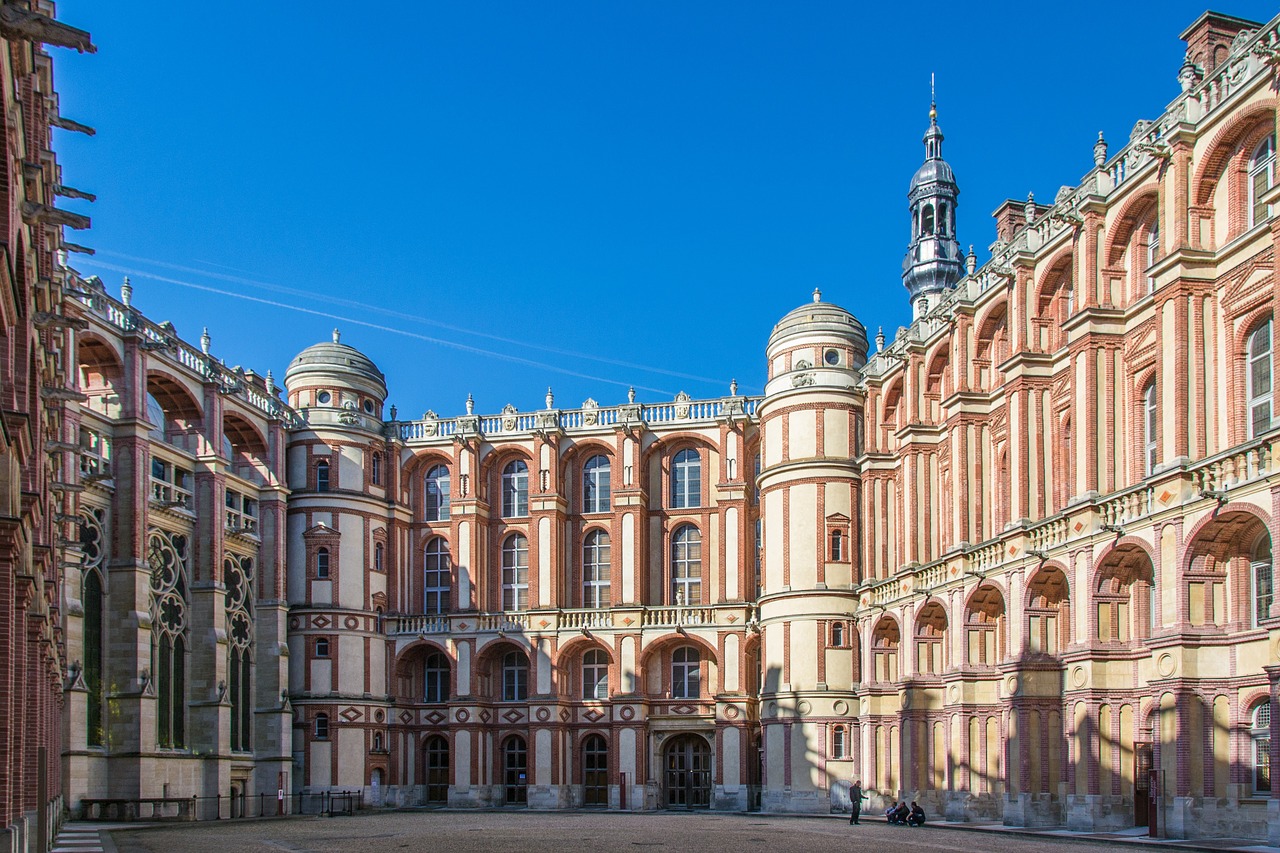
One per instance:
(93, 545)
(168, 559)
(239, 580)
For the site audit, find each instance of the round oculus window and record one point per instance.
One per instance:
(832, 357)
(324, 398)
(368, 406)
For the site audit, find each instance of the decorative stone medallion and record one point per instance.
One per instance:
(1166, 665)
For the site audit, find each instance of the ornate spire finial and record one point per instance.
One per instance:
(271, 382)
(205, 341)
(933, 101)
(126, 292)
(817, 295)
(880, 339)
(550, 398)
(971, 260)
(1100, 151)
(337, 336)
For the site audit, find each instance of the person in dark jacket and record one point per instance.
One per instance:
(900, 814)
(855, 799)
(916, 817)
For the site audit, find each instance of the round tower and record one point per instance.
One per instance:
(811, 435)
(933, 263)
(341, 541)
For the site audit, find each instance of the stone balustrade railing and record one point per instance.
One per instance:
(642, 617)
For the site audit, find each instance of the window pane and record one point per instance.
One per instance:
(437, 494)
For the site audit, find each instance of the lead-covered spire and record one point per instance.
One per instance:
(933, 262)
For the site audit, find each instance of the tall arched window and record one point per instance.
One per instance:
(1150, 429)
(926, 226)
(686, 479)
(436, 572)
(595, 485)
(1259, 380)
(686, 673)
(515, 490)
(1260, 729)
(93, 543)
(237, 573)
(1263, 581)
(1262, 174)
(322, 563)
(436, 493)
(595, 675)
(167, 559)
(1153, 252)
(686, 565)
(515, 573)
(436, 678)
(322, 476)
(596, 569)
(515, 677)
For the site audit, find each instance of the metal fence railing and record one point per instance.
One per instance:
(221, 806)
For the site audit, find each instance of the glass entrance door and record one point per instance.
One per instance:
(595, 772)
(515, 765)
(688, 773)
(437, 770)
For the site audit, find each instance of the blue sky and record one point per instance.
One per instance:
(586, 195)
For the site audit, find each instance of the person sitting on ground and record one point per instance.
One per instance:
(890, 812)
(901, 813)
(916, 818)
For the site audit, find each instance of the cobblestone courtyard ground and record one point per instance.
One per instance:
(534, 832)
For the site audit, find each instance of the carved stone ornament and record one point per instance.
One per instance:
(682, 405)
(799, 380)
(430, 423)
(590, 412)
(803, 364)
(509, 417)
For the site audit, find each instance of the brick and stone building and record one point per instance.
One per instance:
(1015, 563)
(37, 453)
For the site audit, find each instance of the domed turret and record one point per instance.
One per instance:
(335, 375)
(818, 343)
(933, 263)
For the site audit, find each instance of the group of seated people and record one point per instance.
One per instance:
(903, 816)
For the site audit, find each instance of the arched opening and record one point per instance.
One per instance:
(515, 772)
(1121, 615)
(931, 630)
(595, 771)
(687, 772)
(985, 627)
(885, 641)
(1048, 612)
(1229, 573)
(437, 750)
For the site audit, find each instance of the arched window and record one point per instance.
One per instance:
(322, 476)
(596, 569)
(942, 218)
(686, 566)
(436, 678)
(839, 742)
(926, 226)
(984, 627)
(378, 555)
(322, 726)
(837, 634)
(837, 546)
(1153, 252)
(885, 641)
(515, 677)
(436, 489)
(1259, 380)
(595, 485)
(1150, 429)
(437, 769)
(515, 490)
(1048, 612)
(375, 472)
(931, 630)
(1263, 581)
(322, 647)
(686, 673)
(595, 675)
(595, 771)
(322, 563)
(167, 557)
(1260, 729)
(237, 574)
(1262, 173)
(686, 479)
(436, 572)
(93, 544)
(515, 573)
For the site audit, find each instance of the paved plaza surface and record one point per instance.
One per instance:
(592, 832)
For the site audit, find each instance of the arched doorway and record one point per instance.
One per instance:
(437, 770)
(595, 771)
(515, 770)
(687, 777)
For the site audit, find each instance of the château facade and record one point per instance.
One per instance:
(1015, 563)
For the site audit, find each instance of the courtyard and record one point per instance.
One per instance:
(588, 832)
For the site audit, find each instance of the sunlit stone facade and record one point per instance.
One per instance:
(1015, 563)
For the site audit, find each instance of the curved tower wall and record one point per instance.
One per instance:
(810, 423)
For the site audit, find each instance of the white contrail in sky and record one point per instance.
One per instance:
(351, 303)
(380, 327)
